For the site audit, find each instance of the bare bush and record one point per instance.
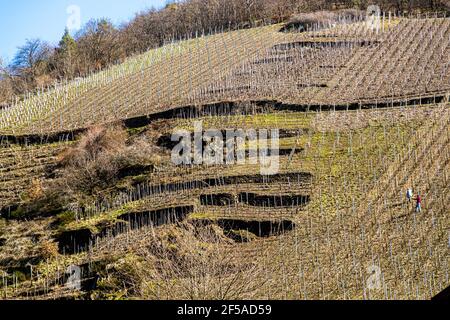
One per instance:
(185, 262)
(96, 142)
(101, 157)
(92, 164)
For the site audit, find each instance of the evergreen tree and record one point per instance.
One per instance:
(67, 43)
(66, 56)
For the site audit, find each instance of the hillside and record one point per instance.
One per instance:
(338, 67)
(362, 114)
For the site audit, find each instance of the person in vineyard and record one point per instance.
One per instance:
(418, 203)
(409, 194)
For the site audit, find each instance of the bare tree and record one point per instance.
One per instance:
(6, 91)
(11, 84)
(98, 44)
(32, 59)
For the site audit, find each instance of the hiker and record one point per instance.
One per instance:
(409, 194)
(418, 203)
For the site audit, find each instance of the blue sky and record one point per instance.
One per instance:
(46, 19)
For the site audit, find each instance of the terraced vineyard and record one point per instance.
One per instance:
(362, 116)
(20, 166)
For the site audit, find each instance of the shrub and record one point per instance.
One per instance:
(92, 164)
(96, 142)
(100, 159)
(49, 249)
